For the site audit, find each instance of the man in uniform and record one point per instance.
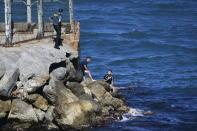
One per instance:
(56, 19)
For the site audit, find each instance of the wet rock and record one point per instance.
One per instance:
(8, 82)
(49, 116)
(123, 109)
(5, 107)
(40, 114)
(107, 110)
(22, 112)
(41, 103)
(117, 116)
(35, 83)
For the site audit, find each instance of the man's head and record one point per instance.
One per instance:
(109, 72)
(60, 11)
(88, 59)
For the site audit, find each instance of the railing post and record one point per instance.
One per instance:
(8, 21)
(40, 19)
(29, 19)
(71, 14)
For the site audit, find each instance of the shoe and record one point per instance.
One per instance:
(56, 47)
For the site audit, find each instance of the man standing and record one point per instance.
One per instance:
(56, 19)
(84, 68)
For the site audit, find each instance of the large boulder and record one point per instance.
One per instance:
(76, 88)
(8, 82)
(100, 92)
(97, 90)
(57, 93)
(74, 76)
(75, 114)
(59, 73)
(5, 107)
(22, 112)
(35, 83)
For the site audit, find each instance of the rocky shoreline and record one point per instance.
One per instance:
(41, 87)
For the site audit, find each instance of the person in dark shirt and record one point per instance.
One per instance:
(56, 19)
(84, 68)
(109, 79)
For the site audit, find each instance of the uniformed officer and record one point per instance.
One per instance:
(56, 19)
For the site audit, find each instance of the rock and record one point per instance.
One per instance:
(107, 110)
(49, 116)
(50, 94)
(109, 100)
(5, 107)
(51, 127)
(76, 88)
(104, 84)
(58, 93)
(74, 76)
(8, 82)
(2, 69)
(34, 84)
(22, 112)
(64, 95)
(40, 114)
(59, 73)
(32, 98)
(75, 114)
(123, 109)
(41, 103)
(101, 94)
(117, 116)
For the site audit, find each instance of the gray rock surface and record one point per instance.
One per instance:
(22, 112)
(49, 116)
(41, 103)
(35, 83)
(40, 114)
(8, 82)
(2, 69)
(75, 114)
(5, 107)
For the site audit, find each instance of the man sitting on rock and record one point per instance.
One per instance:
(109, 79)
(84, 68)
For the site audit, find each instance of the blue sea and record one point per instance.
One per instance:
(151, 46)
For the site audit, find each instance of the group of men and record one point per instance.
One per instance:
(107, 78)
(56, 19)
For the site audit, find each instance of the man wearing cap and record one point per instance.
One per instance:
(56, 19)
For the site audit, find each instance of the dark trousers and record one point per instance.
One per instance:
(58, 35)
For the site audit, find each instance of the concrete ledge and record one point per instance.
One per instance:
(25, 27)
